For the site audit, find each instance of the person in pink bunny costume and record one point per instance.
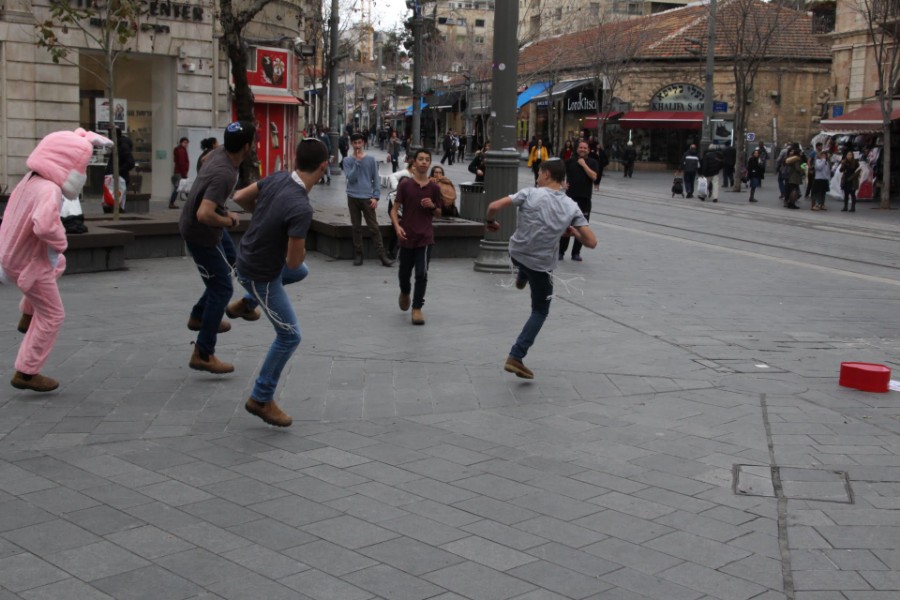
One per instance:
(32, 242)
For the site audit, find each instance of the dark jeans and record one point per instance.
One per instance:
(417, 258)
(728, 176)
(536, 167)
(214, 264)
(448, 155)
(585, 205)
(176, 180)
(629, 169)
(689, 179)
(541, 285)
(359, 208)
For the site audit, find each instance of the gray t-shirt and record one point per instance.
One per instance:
(544, 215)
(282, 211)
(215, 182)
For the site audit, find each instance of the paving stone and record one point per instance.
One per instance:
(53, 536)
(697, 549)
(714, 583)
(556, 505)
(149, 583)
(758, 569)
(477, 581)
(633, 556)
(330, 558)
(335, 457)
(199, 473)
(95, 561)
(649, 586)
(220, 512)
(424, 530)
(203, 567)
(321, 586)
(264, 561)
(564, 581)
(70, 589)
(495, 510)
(388, 582)
(149, 542)
(255, 586)
(349, 532)
(411, 556)
(440, 469)
(295, 511)
(17, 514)
(623, 526)
(503, 534)
(103, 520)
(26, 571)
(576, 560)
(335, 476)
(560, 531)
(387, 494)
(436, 490)
(488, 553)
(174, 493)
(441, 513)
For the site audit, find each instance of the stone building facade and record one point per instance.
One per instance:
(172, 83)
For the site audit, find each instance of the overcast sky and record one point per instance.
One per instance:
(388, 14)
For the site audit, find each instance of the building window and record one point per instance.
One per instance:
(479, 39)
(479, 22)
(442, 20)
(558, 14)
(595, 9)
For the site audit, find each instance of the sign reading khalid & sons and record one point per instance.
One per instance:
(678, 97)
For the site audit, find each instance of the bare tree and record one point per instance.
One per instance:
(750, 31)
(111, 28)
(882, 23)
(614, 47)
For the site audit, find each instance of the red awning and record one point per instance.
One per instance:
(654, 119)
(865, 119)
(270, 99)
(591, 122)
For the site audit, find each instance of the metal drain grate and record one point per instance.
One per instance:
(796, 483)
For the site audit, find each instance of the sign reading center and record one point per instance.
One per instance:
(678, 97)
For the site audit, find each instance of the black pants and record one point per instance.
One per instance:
(585, 205)
(728, 176)
(536, 167)
(417, 258)
(448, 155)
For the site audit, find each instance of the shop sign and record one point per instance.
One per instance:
(581, 103)
(678, 97)
(271, 69)
(719, 106)
(178, 11)
(119, 113)
(837, 110)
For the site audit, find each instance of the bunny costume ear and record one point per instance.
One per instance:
(95, 139)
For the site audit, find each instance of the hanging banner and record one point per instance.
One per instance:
(119, 113)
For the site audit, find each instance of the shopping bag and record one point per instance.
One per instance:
(108, 191)
(702, 187)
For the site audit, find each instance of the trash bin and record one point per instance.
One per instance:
(471, 201)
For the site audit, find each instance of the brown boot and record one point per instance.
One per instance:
(404, 301)
(239, 310)
(385, 260)
(417, 317)
(36, 383)
(24, 323)
(268, 412)
(210, 364)
(516, 366)
(195, 323)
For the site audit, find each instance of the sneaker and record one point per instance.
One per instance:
(24, 323)
(521, 283)
(239, 309)
(814, 207)
(210, 364)
(194, 325)
(404, 302)
(268, 412)
(576, 257)
(417, 317)
(514, 365)
(35, 383)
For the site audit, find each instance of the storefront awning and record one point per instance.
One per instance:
(654, 119)
(529, 94)
(408, 111)
(561, 88)
(279, 99)
(591, 122)
(865, 119)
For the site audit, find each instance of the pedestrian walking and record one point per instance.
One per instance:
(756, 170)
(690, 165)
(181, 164)
(581, 171)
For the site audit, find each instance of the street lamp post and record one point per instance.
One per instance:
(416, 139)
(470, 135)
(378, 88)
(502, 162)
(334, 122)
(706, 133)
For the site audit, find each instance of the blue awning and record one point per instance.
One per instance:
(526, 96)
(409, 109)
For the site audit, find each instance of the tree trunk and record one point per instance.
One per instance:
(110, 93)
(886, 168)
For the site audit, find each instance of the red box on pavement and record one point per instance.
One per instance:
(867, 377)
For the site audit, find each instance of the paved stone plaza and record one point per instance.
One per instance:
(692, 355)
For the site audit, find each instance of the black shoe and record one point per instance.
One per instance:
(357, 260)
(715, 199)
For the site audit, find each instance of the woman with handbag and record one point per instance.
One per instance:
(850, 179)
(448, 192)
(476, 167)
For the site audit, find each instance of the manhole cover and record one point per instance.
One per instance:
(796, 483)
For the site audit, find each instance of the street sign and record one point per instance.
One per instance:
(719, 106)
(837, 110)
(751, 137)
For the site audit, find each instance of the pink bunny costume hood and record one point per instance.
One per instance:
(32, 234)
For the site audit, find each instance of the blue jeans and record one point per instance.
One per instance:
(418, 258)
(276, 305)
(215, 265)
(689, 179)
(541, 285)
